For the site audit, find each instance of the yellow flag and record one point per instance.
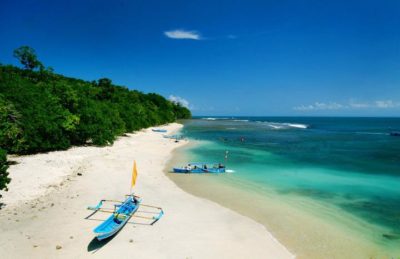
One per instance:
(134, 174)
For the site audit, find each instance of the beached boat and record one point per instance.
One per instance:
(199, 168)
(173, 136)
(114, 223)
(159, 130)
(121, 214)
(123, 211)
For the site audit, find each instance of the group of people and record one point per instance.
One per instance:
(190, 167)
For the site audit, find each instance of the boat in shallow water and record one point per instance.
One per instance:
(199, 168)
(176, 137)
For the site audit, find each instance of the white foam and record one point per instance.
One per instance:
(274, 126)
(295, 125)
(214, 119)
(284, 125)
(372, 133)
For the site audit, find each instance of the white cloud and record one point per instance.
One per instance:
(380, 104)
(386, 104)
(304, 108)
(328, 106)
(358, 105)
(180, 100)
(183, 35)
(320, 106)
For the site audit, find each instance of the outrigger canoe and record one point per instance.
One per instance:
(199, 168)
(177, 137)
(122, 213)
(114, 223)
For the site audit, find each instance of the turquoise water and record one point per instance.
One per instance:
(352, 164)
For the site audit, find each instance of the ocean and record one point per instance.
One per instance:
(325, 187)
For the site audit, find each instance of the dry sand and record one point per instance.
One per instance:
(45, 208)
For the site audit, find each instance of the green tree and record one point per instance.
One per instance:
(27, 56)
(42, 111)
(181, 112)
(4, 180)
(10, 126)
(106, 89)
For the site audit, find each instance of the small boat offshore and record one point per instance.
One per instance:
(159, 130)
(198, 168)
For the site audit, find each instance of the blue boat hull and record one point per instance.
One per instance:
(118, 219)
(198, 170)
(159, 130)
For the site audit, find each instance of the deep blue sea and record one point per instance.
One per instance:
(352, 164)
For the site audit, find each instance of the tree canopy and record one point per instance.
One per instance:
(27, 56)
(43, 111)
(4, 180)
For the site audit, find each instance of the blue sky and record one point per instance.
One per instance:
(223, 57)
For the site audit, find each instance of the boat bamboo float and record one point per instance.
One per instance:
(123, 211)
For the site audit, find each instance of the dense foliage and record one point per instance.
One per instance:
(42, 111)
(4, 180)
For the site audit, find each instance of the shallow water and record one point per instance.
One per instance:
(342, 174)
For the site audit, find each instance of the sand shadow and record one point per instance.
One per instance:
(95, 245)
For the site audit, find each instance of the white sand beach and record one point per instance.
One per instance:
(44, 211)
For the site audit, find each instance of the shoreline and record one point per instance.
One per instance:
(315, 237)
(52, 213)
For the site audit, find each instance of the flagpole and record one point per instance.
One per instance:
(131, 185)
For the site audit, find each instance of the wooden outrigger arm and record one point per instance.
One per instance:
(137, 216)
(145, 205)
(98, 208)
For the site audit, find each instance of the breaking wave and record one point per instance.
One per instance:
(270, 124)
(283, 125)
(214, 119)
(300, 126)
